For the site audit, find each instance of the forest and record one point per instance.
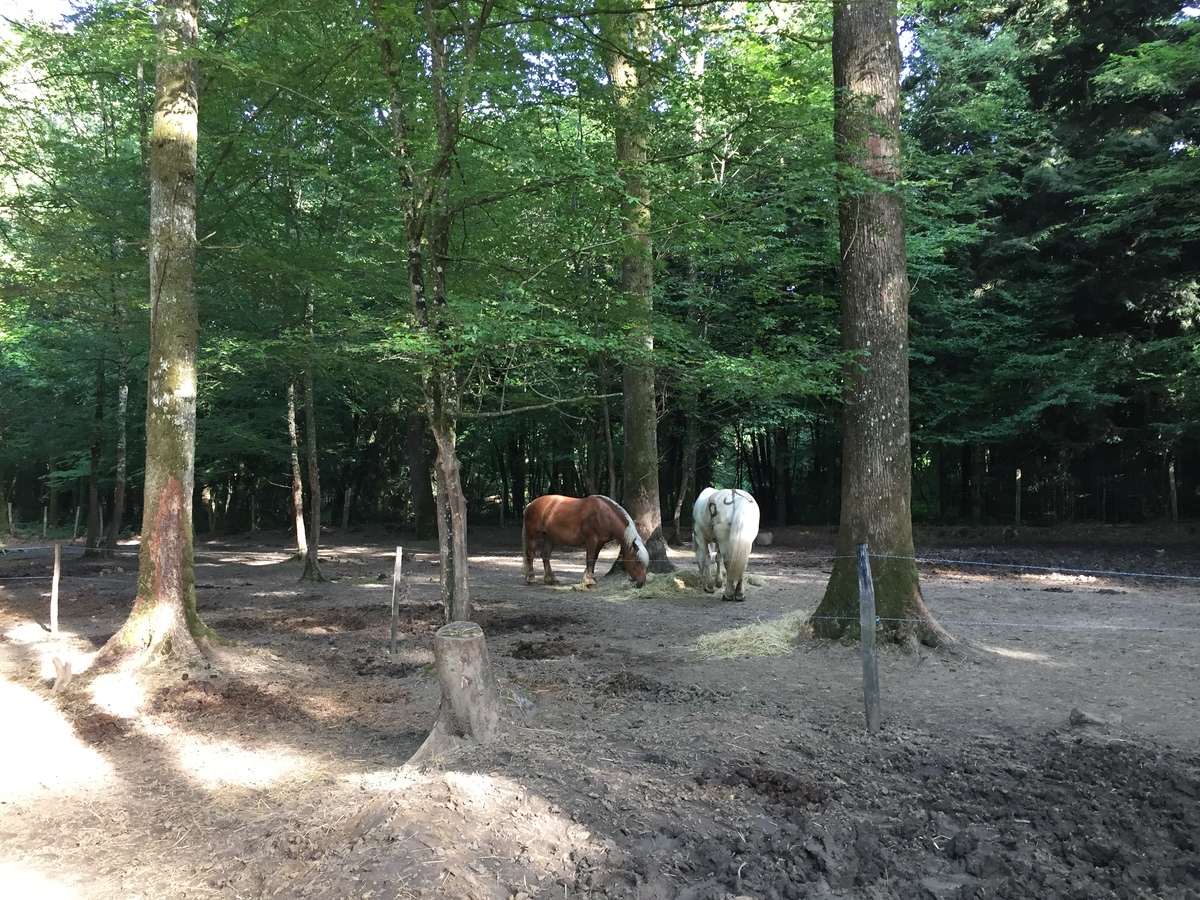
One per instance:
(1051, 160)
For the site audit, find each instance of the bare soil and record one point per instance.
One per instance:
(1052, 755)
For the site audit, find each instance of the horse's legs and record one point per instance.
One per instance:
(591, 552)
(718, 576)
(527, 560)
(547, 546)
(735, 590)
(703, 561)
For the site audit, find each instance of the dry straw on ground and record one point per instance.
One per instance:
(773, 638)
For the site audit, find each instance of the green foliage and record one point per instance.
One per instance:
(1052, 154)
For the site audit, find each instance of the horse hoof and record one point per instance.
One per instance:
(734, 599)
(529, 579)
(709, 590)
(550, 580)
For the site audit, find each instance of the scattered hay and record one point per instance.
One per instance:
(772, 638)
(664, 586)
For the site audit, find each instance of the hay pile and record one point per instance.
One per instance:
(772, 638)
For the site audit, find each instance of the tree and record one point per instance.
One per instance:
(876, 458)
(164, 621)
(627, 59)
(449, 31)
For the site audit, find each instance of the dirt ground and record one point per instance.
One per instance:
(1054, 755)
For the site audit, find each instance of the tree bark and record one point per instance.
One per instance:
(420, 479)
(470, 707)
(94, 523)
(118, 510)
(876, 457)
(297, 476)
(627, 37)
(312, 561)
(164, 622)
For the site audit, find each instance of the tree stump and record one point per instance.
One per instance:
(470, 707)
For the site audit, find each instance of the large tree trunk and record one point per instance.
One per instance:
(297, 476)
(627, 37)
(164, 621)
(876, 458)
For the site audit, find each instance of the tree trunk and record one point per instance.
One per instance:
(470, 707)
(118, 510)
(312, 562)
(164, 621)
(94, 522)
(691, 440)
(627, 35)
(452, 521)
(876, 458)
(297, 476)
(420, 478)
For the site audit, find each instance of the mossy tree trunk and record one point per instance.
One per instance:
(876, 458)
(627, 39)
(164, 622)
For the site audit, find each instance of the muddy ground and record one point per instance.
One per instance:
(1054, 755)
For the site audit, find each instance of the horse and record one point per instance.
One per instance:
(729, 519)
(591, 522)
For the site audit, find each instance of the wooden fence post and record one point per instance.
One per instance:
(866, 619)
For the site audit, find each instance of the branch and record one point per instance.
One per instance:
(512, 412)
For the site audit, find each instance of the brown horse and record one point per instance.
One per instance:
(591, 523)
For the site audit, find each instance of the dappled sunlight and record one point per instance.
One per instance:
(48, 756)
(20, 881)
(48, 647)
(119, 694)
(1023, 655)
(220, 764)
(507, 561)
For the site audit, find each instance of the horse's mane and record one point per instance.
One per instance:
(631, 536)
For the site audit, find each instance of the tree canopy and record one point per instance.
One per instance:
(1051, 167)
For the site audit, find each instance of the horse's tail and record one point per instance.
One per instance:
(743, 529)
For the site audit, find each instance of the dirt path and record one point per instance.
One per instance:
(1054, 758)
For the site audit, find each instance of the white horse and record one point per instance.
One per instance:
(728, 519)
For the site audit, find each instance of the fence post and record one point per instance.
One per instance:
(54, 588)
(866, 619)
(45, 520)
(396, 597)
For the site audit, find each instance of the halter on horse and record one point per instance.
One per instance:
(591, 523)
(729, 519)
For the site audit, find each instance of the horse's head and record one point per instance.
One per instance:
(636, 559)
